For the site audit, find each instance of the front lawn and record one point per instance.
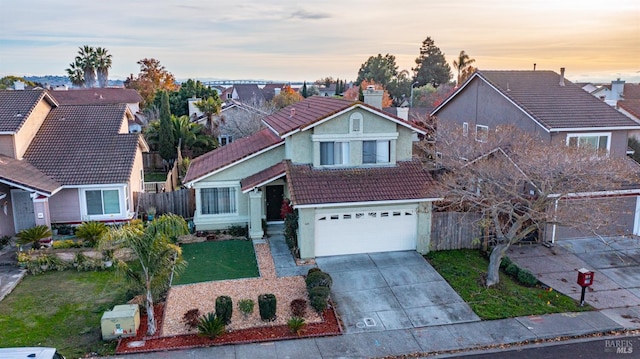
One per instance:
(208, 261)
(61, 310)
(465, 269)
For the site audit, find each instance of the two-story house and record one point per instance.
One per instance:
(546, 104)
(345, 166)
(65, 164)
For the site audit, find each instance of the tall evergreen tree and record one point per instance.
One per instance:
(431, 66)
(165, 136)
(304, 90)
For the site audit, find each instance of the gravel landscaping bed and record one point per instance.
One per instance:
(202, 296)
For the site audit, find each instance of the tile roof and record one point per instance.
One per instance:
(631, 106)
(96, 96)
(79, 145)
(228, 154)
(259, 178)
(631, 91)
(269, 91)
(249, 93)
(406, 181)
(305, 112)
(16, 107)
(22, 173)
(540, 95)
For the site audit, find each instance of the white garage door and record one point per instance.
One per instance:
(365, 232)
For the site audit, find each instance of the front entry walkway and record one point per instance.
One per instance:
(392, 290)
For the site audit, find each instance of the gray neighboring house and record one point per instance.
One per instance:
(546, 104)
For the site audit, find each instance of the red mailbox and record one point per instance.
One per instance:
(585, 277)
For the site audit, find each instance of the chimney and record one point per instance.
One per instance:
(293, 112)
(403, 113)
(373, 97)
(562, 76)
(534, 66)
(617, 89)
(18, 85)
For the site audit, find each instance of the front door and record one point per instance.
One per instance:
(275, 194)
(23, 214)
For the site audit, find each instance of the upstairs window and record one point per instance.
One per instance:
(355, 122)
(376, 152)
(465, 129)
(334, 153)
(482, 133)
(596, 141)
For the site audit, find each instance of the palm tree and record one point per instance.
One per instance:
(462, 63)
(103, 64)
(193, 136)
(156, 257)
(210, 107)
(87, 60)
(76, 74)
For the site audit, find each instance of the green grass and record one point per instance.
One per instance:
(465, 270)
(209, 261)
(155, 176)
(61, 310)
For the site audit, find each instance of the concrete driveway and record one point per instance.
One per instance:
(392, 290)
(614, 260)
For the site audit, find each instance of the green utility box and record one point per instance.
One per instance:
(121, 321)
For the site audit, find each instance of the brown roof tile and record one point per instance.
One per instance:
(235, 151)
(631, 92)
(405, 181)
(631, 106)
(78, 145)
(16, 107)
(539, 94)
(305, 112)
(22, 173)
(257, 179)
(96, 96)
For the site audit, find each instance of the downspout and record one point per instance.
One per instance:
(555, 213)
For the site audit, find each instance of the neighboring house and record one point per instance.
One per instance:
(248, 94)
(231, 119)
(102, 96)
(631, 108)
(545, 104)
(65, 164)
(345, 166)
(269, 91)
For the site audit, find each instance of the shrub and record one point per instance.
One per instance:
(64, 229)
(4, 240)
(224, 308)
(314, 269)
(210, 326)
(91, 232)
(512, 270)
(246, 306)
(267, 307)
(296, 324)
(238, 231)
(318, 279)
(318, 298)
(298, 307)
(191, 318)
(67, 243)
(84, 263)
(527, 278)
(504, 263)
(291, 232)
(33, 235)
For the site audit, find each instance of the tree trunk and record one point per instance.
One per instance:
(151, 320)
(493, 275)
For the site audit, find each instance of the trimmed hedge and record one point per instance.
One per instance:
(224, 308)
(318, 298)
(318, 279)
(527, 278)
(267, 306)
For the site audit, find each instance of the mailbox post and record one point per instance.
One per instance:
(585, 279)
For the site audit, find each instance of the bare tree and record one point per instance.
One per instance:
(246, 120)
(517, 182)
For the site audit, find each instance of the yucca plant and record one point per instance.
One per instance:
(296, 324)
(211, 326)
(33, 235)
(246, 306)
(91, 232)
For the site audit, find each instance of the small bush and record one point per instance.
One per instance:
(67, 243)
(504, 263)
(191, 318)
(267, 307)
(512, 270)
(527, 278)
(246, 306)
(318, 298)
(224, 308)
(318, 279)
(91, 232)
(296, 324)
(313, 270)
(238, 231)
(33, 235)
(83, 263)
(210, 326)
(4, 240)
(298, 307)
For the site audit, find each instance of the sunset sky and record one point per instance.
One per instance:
(307, 40)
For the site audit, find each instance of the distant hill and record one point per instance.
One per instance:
(54, 81)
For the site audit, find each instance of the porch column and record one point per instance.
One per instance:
(255, 214)
(41, 211)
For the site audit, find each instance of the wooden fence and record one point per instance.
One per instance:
(181, 202)
(455, 230)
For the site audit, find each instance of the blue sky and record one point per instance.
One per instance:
(308, 40)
